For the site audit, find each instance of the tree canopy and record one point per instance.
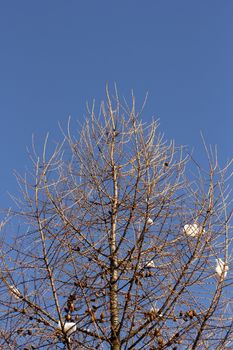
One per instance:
(123, 242)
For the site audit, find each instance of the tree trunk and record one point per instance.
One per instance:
(114, 312)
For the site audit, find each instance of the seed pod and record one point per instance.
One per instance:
(160, 341)
(190, 314)
(70, 305)
(157, 332)
(68, 317)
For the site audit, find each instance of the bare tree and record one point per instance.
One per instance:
(124, 243)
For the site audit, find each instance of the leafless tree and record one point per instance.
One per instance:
(123, 242)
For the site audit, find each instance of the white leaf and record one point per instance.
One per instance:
(193, 230)
(150, 264)
(154, 309)
(221, 267)
(149, 221)
(69, 327)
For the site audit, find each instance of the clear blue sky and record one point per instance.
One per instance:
(56, 54)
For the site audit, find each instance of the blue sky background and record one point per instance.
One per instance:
(55, 55)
